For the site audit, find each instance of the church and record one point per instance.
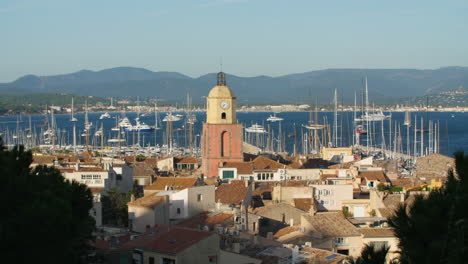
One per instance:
(222, 135)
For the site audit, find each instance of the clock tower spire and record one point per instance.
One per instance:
(222, 136)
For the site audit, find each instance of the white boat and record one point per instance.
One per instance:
(274, 118)
(255, 128)
(172, 118)
(125, 123)
(105, 116)
(139, 127)
(98, 133)
(379, 116)
(115, 140)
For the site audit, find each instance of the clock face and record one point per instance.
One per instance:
(224, 104)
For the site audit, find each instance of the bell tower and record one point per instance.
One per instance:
(222, 136)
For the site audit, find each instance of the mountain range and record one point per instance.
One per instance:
(384, 84)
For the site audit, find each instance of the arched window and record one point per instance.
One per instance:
(223, 115)
(225, 144)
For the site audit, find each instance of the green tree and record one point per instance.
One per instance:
(433, 229)
(44, 218)
(114, 207)
(372, 255)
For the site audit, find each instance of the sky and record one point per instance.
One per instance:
(249, 37)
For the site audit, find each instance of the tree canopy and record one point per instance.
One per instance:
(433, 228)
(45, 218)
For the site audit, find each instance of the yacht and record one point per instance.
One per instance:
(255, 128)
(171, 117)
(274, 118)
(125, 123)
(105, 116)
(139, 127)
(379, 116)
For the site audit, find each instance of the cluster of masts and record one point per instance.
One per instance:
(370, 130)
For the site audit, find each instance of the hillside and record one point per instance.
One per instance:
(385, 85)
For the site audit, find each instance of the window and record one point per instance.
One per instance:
(168, 261)
(228, 174)
(379, 244)
(178, 210)
(259, 177)
(151, 260)
(199, 197)
(223, 115)
(340, 240)
(212, 259)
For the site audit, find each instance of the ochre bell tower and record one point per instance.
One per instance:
(222, 136)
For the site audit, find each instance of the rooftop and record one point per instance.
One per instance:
(232, 193)
(168, 240)
(331, 224)
(176, 183)
(149, 201)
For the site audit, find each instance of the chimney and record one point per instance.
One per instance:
(132, 198)
(312, 209)
(77, 166)
(291, 221)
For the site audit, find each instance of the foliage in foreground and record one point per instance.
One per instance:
(45, 218)
(433, 229)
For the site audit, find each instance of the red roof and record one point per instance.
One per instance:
(168, 240)
(262, 163)
(204, 219)
(242, 167)
(232, 193)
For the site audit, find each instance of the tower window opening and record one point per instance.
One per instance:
(223, 115)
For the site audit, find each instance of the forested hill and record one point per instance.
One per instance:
(384, 84)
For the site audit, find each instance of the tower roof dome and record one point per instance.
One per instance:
(221, 92)
(221, 89)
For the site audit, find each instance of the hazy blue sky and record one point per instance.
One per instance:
(253, 37)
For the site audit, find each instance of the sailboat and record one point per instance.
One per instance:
(371, 116)
(72, 118)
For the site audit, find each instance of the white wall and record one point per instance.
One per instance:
(330, 197)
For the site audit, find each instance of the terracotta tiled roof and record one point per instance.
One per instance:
(242, 167)
(316, 255)
(148, 201)
(91, 169)
(69, 170)
(204, 219)
(96, 189)
(185, 160)
(304, 203)
(42, 160)
(345, 165)
(391, 201)
(331, 224)
(232, 193)
(377, 175)
(177, 183)
(261, 163)
(168, 240)
(403, 182)
(285, 231)
(142, 169)
(377, 232)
